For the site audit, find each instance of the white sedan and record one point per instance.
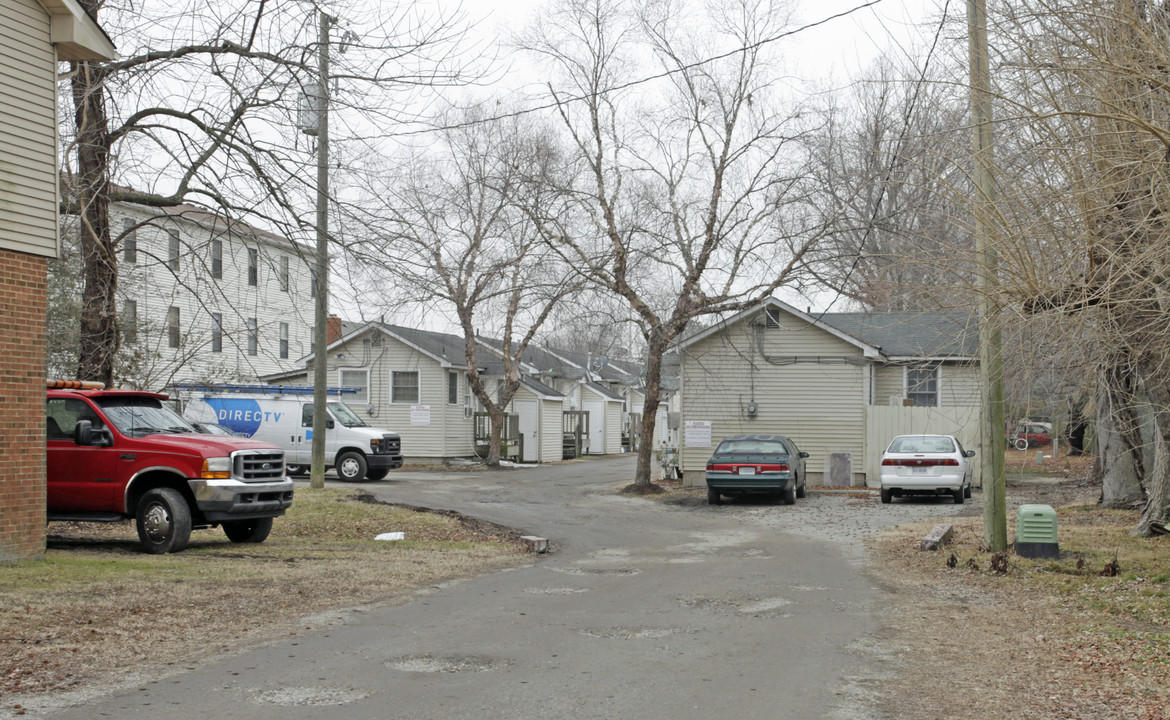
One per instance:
(926, 465)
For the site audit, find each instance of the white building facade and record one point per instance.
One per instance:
(202, 299)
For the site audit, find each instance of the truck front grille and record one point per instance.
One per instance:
(257, 465)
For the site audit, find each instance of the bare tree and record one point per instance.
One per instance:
(202, 107)
(445, 232)
(1095, 202)
(684, 198)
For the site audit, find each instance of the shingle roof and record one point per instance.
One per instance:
(441, 345)
(912, 334)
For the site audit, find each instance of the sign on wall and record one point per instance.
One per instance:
(697, 433)
(420, 414)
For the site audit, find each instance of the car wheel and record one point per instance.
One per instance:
(790, 496)
(1021, 443)
(887, 496)
(377, 474)
(802, 490)
(351, 467)
(959, 496)
(967, 491)
(248, 531)
(164, 521)
(713, 497)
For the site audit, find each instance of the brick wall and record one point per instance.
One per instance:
(22, 405)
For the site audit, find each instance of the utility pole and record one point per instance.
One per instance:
(321, 314)
(992, 441)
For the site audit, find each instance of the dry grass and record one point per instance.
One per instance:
(1049, 638)
(88, 610)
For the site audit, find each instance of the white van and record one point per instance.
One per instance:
(283, 415)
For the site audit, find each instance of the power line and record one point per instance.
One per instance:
(643, 80)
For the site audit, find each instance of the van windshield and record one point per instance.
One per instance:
(344, 415)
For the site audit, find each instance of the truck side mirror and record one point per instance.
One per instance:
(85, 434)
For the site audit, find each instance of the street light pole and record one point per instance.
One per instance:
(321, 310)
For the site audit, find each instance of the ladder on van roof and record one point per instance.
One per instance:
(260, 389)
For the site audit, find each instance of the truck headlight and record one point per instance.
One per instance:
(217, 468)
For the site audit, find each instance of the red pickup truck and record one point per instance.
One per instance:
(119, 454)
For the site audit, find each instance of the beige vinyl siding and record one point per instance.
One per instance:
(819, 402)
(28, 130)
(457, 429)
(889, 383)
(613, 428)
(960, 385)
(551, 426)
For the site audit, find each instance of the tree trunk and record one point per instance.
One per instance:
(646, 450)
(1118, 435)
(99, 323)
(497, 433)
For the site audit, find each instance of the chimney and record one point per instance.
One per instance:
(332, 330)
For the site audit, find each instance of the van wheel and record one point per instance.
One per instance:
(164, 521)
(296, 470)
(377, 474)
(351, 467)
(248, 531)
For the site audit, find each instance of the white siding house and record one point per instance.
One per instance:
(203, 299)
(775, 370)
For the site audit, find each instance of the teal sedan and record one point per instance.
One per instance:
(768, 465)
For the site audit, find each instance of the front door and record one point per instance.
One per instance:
(529, 429)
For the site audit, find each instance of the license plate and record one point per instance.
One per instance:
(743, 470)
(919, 470)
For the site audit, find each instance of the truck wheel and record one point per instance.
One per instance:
(351, 467)
(164, 521)
(377, 474)
(248, 531)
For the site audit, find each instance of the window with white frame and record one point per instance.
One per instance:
(453, 387)
(284, 273)
(922, 383)
(173, 250)
(253, 336)
(130, 321)
(129, 241)
(357, 378)
(173, 327)
(253, 266)
(217, 259)
(404, 386)
(216, 332)
(284, 340)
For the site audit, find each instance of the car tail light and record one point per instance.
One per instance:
(921, 462)
(720, 467)
(774, 467)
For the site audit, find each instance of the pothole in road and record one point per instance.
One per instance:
(754, 606)
(556, 591)
(596, 571)
(312, 695)
(633, 633)
(449, 664)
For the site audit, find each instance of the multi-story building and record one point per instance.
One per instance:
(205, 299)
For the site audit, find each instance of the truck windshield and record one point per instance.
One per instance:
(344, 415)
(142, 416)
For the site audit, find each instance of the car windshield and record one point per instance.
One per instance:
(142, 416)
(922, 445)
(751, 447)
(344, 415)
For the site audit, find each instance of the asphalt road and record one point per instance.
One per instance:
(644, 610)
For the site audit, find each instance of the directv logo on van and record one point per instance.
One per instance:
(243, 416)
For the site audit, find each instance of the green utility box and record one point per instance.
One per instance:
(1036, 532)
